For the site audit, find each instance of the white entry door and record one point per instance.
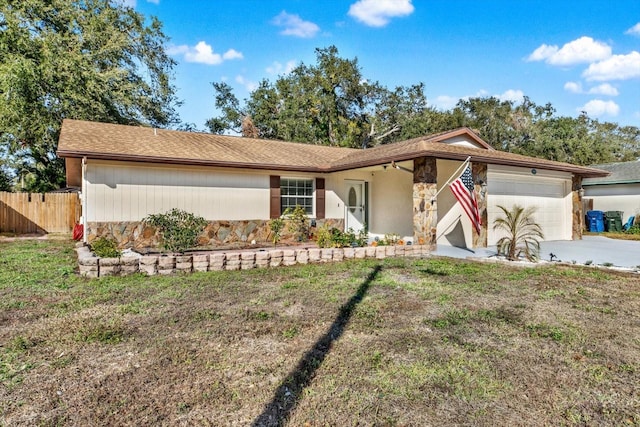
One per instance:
(355, 216)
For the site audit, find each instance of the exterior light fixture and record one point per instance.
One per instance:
(402, 168)
(483, 188)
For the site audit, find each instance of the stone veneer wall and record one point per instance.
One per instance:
(425, 207)
(93, 267)
(578, 214)
(136, 235)
(479, 172)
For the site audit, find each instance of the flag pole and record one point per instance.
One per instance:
(449, 180)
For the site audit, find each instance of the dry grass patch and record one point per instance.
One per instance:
(400, 342)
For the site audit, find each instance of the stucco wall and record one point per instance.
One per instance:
(454, 226)
(336, 194)
(392, 202)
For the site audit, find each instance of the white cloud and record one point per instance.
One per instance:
(248, 85)
(635, 30)
(295, 26)
(202, 53)
(377, 13)
(132, 3)
(598, 107)
(543, 52)
(603, 89)
(511, 95)
(445, 102)
(582, 50)
(573, 87)
(177, 49)
(232, 54)
(618, 67)
(277, 68)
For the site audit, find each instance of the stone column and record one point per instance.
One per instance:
(578, 215)
(425, 207)
(479, 172)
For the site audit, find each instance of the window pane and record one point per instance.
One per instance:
(296, 192)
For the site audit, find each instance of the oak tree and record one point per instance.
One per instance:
(83, 59)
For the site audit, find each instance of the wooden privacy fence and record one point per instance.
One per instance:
(23, 213)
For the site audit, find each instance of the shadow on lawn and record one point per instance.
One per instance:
(288, 393)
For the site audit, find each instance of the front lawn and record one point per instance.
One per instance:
(404, 341)
(615, 235)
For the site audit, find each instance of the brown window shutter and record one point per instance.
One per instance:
(320, 200)
(274, 187)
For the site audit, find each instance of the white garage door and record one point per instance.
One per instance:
(551, 196)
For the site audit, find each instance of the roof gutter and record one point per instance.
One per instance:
(578, 170)
(589, 184)
(584, 172)
(190, 162)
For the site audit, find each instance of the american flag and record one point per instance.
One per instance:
(463, 190)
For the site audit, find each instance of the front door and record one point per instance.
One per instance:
(355, 206)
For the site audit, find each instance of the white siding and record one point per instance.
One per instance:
(119, 191)
(615, 197)
(548, 192)
(129, 192)
(463, 141)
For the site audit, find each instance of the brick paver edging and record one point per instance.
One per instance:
(93, 266)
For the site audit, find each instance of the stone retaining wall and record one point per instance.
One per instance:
(151, 265)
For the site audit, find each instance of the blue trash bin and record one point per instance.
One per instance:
(595, 221)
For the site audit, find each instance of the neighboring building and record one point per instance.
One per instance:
(238, 184)
(619, 191)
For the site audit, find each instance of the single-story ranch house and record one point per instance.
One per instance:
(238, 184)
(620, 191)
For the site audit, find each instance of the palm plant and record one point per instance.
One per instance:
(523, 234)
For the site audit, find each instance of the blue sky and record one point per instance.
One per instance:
(578, 55)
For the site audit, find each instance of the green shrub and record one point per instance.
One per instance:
(323, 237)
(276, 225)
(179, 229)
(298, 222)
(105, 248)
(389, 239)
(635, 229)
(336, 238)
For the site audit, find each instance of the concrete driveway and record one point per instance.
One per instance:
(597, 249)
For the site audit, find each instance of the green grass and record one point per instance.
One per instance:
(427, 341)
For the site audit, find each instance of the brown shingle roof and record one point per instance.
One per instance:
(119, 142)
(433, 146)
